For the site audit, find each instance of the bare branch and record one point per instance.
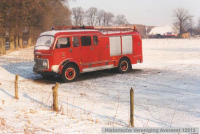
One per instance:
(78, 16)
(120, 20)
(100, 16)
(91, 15)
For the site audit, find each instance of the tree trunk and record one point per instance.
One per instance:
(2, 45)
(11, 39)
(16, 42)
(16, 37)
(20, 41)
(30, 37)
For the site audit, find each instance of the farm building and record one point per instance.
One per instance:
(162, 31)
(141, 28)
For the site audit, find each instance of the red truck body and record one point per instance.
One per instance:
(71, 52)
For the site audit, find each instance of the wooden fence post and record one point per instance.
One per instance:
(132, 107)
(16, 86)
(55, 96)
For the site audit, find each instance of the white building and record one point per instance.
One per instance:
(166, 30)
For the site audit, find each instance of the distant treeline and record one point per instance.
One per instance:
(95, 17)
(31, 17)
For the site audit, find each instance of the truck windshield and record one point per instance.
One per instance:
(45, 41)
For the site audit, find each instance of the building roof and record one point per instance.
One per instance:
(140, 28)
(162, 30)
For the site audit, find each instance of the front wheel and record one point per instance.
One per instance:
(69, 73)
(124, 65)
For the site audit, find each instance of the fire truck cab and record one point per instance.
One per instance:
(73, 51)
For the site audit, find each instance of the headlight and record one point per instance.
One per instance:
(45, 64)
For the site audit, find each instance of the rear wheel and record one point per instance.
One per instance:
(124, 65)
(69, 73)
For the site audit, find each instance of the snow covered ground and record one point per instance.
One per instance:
(167, 93)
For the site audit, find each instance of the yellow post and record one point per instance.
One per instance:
(16, 86)
(132, 107)
(55, 96)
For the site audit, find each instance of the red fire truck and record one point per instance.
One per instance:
(70, 51)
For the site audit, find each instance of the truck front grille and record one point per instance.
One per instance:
(39, 64)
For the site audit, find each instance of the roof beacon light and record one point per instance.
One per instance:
(135, 29)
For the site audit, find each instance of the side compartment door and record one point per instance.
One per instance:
(127, 44)
(104, 48)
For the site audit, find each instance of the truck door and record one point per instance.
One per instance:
(76, 49)
(67, 48)
(86, 49)
(62, 50)
(96, 52)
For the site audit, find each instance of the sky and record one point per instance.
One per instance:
(146, 12)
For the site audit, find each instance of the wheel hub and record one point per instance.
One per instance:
(124, 65)
(70, 74)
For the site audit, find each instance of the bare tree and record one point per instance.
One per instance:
(104, 18)
(37, 15)
(120, 20)
(91, 15)
(78, 16)
(191, 26)
(108, 18)
(182, 18)
(100, 16)
(3, 23)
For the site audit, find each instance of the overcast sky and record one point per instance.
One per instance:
(147, 12)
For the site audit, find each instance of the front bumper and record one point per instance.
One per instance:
(37, 71)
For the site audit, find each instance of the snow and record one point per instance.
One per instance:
(53, 32)
(162, 30)
(42, 48)
(166, 85)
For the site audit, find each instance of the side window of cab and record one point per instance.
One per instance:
(63, 42)
(95, 40)
(75, 41)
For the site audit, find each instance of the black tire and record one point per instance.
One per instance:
(124, 65)
(71, 75)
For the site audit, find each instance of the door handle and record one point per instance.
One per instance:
(91, 48)
(70, 50)
(106, 46)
